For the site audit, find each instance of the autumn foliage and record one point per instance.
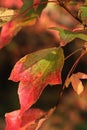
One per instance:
(36, 70)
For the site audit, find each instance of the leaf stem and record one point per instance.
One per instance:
(84, 51)
(73, 53)
(75, 64)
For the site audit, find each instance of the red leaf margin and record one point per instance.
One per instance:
(27, 121)
(32, 83)
(8, 31)
(29, 95)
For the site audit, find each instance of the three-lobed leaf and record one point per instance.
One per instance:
(35, 71)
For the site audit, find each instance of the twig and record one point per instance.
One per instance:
(73, 53)
(84, 51)
(75, 64)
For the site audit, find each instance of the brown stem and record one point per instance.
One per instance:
(74, 65)
(84, 51)
(73, 53)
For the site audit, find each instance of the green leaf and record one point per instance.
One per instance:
(41, 6)
(35, 71)
(67, 36)
(83, 13)
(29, 8)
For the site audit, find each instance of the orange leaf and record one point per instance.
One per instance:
(82, 75)
(77, 84)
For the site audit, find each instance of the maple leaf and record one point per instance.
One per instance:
(35, 71)
(27, 121)
(76, 82)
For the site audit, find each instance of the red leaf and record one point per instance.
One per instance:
(8, 31)
(36, 2)
(28, 121)
(13, 120)
(29, 92)
(35, 71)
(31, 115)
(11, 28)
(11, 3)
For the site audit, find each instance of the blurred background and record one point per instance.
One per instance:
(71, 113)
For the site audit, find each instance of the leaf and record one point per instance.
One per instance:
(35, 71)
(33, 7)
(82, 75)
(13, 120)
(41, 6)
(27, 7)
(83, 13)
(8, 31)
(36, 3)
(67, 36)
(5, 15)
(76, 82)
(11, 3)
(26, 16)
(11, 28)
(28, 121)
